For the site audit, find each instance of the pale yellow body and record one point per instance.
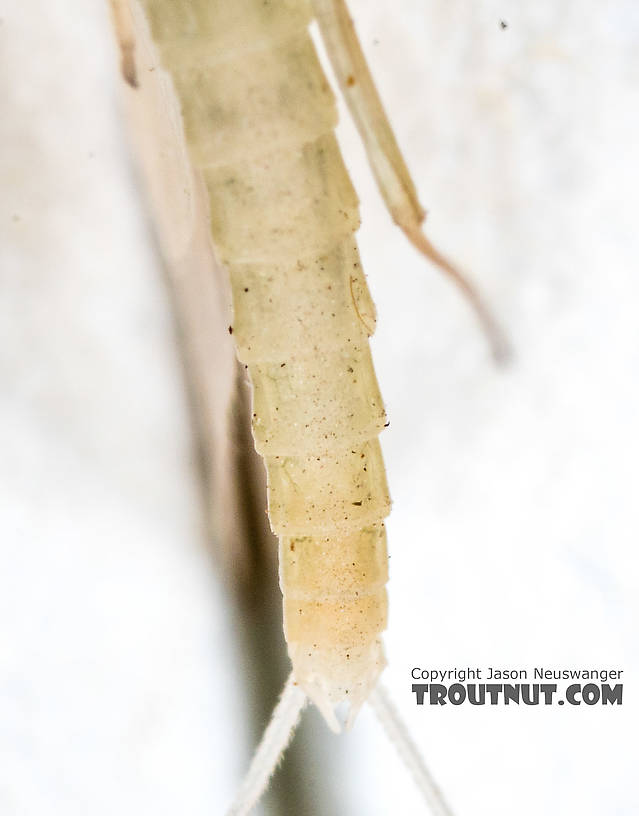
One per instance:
(258, 117)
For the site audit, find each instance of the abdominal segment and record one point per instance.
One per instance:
(258, 117)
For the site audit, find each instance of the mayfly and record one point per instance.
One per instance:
(261, 160)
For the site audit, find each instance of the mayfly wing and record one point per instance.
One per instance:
(233, 474)
(200, 293)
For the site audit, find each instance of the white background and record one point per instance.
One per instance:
(515, 523)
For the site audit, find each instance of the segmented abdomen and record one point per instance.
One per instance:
(259, 117)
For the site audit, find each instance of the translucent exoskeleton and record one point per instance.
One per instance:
(253, 118)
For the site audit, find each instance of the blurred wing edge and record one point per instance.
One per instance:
(232, 475)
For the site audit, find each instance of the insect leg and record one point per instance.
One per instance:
(385, 158)
(123, 24)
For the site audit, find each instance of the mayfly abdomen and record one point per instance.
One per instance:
(328, 284)
(258, 118)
